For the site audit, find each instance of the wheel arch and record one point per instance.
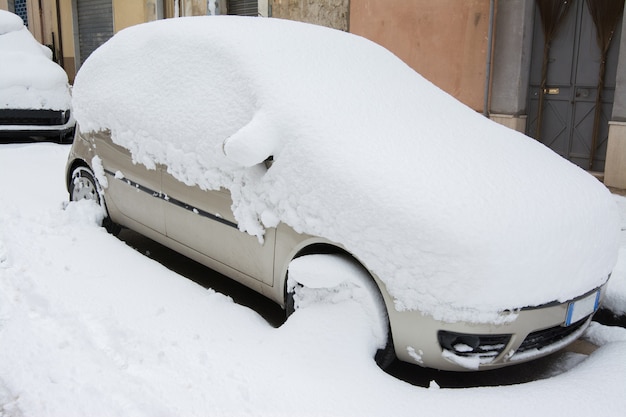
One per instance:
(385, 356)
(325, 248)
(315, 247)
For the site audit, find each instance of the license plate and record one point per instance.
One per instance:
(579, 309)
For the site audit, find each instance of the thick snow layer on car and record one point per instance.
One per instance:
(29, 79)
(91, 327)
(10, 22)
(460, 217)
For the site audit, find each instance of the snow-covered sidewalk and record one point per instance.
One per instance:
(90, 327)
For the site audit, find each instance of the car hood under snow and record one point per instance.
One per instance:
(460, 217)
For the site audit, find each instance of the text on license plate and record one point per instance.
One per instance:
(579, 309)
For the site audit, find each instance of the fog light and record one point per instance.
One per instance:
(468, 345)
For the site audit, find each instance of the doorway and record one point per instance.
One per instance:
(565, 118)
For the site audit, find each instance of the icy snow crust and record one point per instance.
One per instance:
(460, 217)
(29, 79)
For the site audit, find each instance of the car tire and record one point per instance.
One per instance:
(84, 186)
(384, 357)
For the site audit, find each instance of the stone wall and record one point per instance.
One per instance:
(615, 168)
(331, 13)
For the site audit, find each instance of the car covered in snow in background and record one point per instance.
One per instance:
(270, 150)
(35, 96)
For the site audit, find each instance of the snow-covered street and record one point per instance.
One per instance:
(90, 327)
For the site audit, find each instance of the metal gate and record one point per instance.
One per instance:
(565, 80)
(95, 25)
(243, 7)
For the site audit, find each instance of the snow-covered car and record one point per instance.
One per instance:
(34, 91)
(260, 146)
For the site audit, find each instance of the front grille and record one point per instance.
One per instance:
(546, 337)
(27, 117)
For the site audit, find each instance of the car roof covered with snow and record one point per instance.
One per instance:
(460, 217)
(29, 79)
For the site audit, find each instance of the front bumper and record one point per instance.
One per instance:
(16, 123)
(530, 333)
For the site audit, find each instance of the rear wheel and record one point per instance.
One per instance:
(384, 356)
(84, 186)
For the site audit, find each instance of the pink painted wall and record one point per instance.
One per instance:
(444, 40)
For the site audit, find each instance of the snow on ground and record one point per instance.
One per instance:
(90, 327)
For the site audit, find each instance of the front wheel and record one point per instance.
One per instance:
(84, 186)
(305, 285)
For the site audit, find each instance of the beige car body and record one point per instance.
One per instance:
(200, 225)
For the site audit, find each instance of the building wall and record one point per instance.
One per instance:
(615, 168)
(129, 13)
(330, 13)
(67, 37)
(444, 40)
(511, 63)
(511, 58)
(192, 7)
(133, 12)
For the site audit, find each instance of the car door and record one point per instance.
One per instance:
(133, 189)
(203, 221)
